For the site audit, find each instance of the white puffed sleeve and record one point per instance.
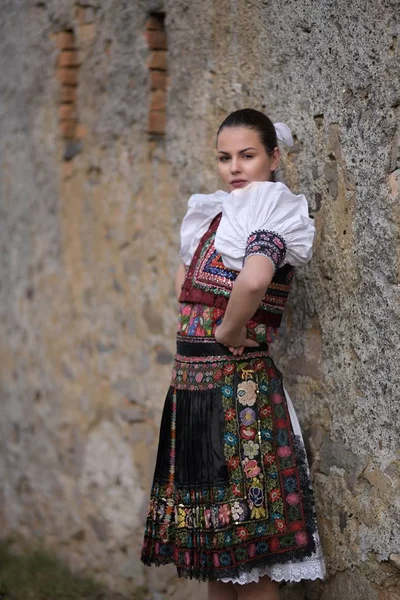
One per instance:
(202, 208)
(265, 218)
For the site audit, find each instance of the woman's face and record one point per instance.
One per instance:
(242, 157)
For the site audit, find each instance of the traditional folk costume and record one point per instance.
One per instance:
(231, 498)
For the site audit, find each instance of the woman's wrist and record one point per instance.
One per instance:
(227, 335)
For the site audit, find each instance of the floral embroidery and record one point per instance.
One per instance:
(180, 517)
(233, 463)
(290, 484)
(224, 514)
(247, 392)
(266, 243)
(265, 411)
(301, 538)
(259, 511)
(280, 525)
(274, 495)
(248, 433)
(229, 369)
(284, 451)
(250, 449)
(202, 320)
(256, 496)
(230, 439)
(247, 416)
(269, 459)
(230, 414)
(208, 280)
(251, 468)
(237, 511)
(242, 533)
(292, 498)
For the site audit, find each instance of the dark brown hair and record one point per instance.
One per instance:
(253, 119)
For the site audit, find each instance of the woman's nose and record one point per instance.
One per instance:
(235, 166)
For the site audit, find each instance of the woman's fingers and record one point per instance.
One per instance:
(236, 350)
(250, 343)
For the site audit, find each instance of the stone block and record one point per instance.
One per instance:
(349, 585)
(334, 454)
(132, 414)
(86, 33)
(164, 356)
(394, 183)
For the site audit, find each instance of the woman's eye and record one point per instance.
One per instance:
(222, 158)
(248, 156)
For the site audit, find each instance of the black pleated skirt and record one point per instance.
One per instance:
(231, 487)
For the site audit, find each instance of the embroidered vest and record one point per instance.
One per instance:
(209, 282)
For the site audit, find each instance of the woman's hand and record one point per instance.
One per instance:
(247, 293)
(236, 342)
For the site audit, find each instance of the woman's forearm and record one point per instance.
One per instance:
(247, 292)
(179, 279)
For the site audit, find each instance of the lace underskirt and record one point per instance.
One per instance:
(311, 567)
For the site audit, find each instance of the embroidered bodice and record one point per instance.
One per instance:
(220, 231)
(209, 282)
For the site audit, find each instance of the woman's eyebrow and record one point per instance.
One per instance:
(240, 151)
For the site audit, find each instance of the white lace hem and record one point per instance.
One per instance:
(311, 567)
(293, 572)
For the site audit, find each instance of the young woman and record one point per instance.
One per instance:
(231, 501)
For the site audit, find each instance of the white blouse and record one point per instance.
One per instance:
(260, 206)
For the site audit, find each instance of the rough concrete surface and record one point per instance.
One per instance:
(89, 248)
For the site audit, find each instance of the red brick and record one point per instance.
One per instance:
(158, 80)
(67, 129)
(158, 60)
(81, 131)
(154, 23)
(68, 58)
(157, 100)
(68, 94)
(66, 40)
(67, 76)
(157, 40)
(157, 121)
(66, 111)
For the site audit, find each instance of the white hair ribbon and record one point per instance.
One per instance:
(284, 134)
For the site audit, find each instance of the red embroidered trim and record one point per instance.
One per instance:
(209, 282)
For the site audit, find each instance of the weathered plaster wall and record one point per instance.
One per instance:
(89, 249)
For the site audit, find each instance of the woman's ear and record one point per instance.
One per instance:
(275, 159)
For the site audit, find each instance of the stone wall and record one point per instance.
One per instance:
(94, 182)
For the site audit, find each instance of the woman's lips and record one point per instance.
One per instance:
(237, 183)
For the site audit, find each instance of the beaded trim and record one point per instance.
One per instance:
(266, 243)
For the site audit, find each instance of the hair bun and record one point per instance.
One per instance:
(284, 134)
